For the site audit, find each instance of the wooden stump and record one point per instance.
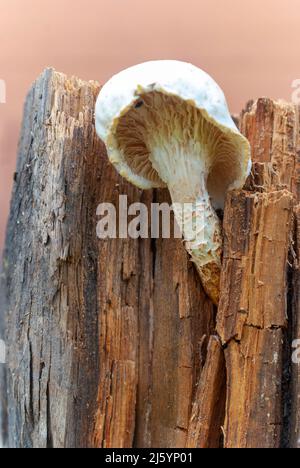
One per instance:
(113, 343)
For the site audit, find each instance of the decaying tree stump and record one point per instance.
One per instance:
(113, 343)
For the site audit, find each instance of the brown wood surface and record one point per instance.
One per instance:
(208, 409)
(294, 427)
(252, 315)
(113, 343)
(103, 337)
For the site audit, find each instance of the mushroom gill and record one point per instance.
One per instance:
(171, 142)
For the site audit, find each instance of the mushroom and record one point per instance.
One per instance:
(166, 124)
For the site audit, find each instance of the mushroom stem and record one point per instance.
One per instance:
(186, 177)
(202, 232)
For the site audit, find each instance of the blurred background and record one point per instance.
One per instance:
(251, 48)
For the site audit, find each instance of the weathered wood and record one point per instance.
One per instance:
(50, 264)
(272, 128)
(294, 426)
(253, 294)
(113, 343)
(103, 336)
(182, 319)
(3, 373)
(205, 429)
(254, 316)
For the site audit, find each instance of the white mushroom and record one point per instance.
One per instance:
(166, 123)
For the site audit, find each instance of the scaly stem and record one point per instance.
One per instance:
(185, 175)
(201, 230)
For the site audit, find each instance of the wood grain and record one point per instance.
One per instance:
(255, 317)
(113, 343)
(207, 417)
(103, 336)
(252, 315)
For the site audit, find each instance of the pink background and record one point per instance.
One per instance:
(251, 47)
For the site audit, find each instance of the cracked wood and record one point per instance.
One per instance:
(113, 343)
(103, 336)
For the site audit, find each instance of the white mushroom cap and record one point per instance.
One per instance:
(192, 87)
